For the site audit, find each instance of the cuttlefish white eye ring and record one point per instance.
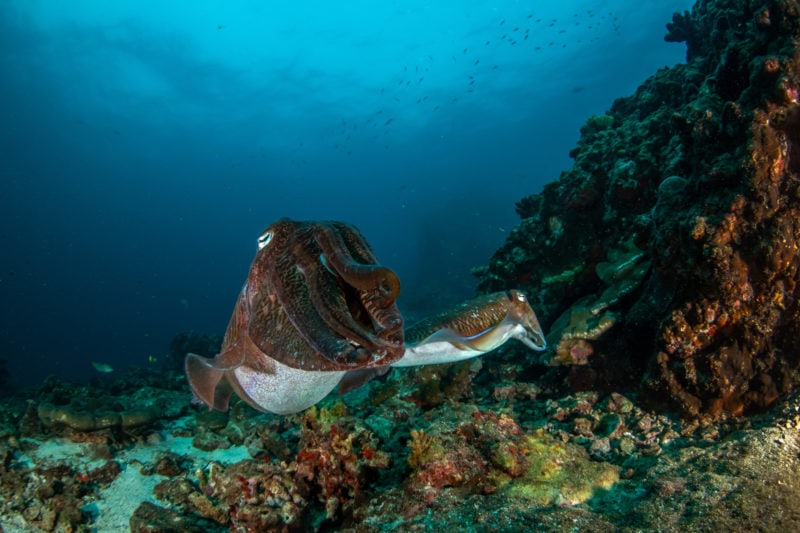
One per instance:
(264, 239)
(520, 296)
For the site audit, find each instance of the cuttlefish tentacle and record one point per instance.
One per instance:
(388, 323)
(372, 278)
(379, 297)
(327, 296)
(472, 329)
(292, 292)
(378, 288)
(329, 291)
(332, 307)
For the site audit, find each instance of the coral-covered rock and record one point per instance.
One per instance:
(45, 499)
(689, 192)
(337, 458)
(335, 462)
(70, 409)
(487, 454)
(150, 518)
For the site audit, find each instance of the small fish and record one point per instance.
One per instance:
(102, 367)
(152, 359)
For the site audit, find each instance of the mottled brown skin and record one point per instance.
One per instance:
(318, 300)
(472, 317)
(315, 299)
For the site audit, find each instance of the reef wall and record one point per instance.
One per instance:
(666, 260)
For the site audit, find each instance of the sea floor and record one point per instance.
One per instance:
(392, 458)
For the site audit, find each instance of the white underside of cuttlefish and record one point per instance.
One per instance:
(287, 390)
(470, 330)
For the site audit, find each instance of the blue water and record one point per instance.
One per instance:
(145, 145)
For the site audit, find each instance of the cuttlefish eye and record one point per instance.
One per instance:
(264, 239)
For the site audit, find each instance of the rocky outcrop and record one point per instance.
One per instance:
(677, 228)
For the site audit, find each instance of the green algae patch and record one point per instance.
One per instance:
(559, 474)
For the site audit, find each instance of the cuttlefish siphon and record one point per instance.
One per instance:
(317, 311)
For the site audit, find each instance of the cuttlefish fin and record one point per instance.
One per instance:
(207, 377)
(446, 345)
(474, 342)
(353, 379)
(484, 341)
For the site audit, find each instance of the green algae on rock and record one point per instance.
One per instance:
(560, 474)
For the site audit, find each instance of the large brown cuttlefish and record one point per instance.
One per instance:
(317, 309)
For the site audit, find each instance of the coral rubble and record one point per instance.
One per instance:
(507, 457)
(684, 199)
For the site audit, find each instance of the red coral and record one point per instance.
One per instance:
(473, 456)
(333, 465)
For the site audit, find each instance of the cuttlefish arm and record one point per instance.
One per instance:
(475, 327)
